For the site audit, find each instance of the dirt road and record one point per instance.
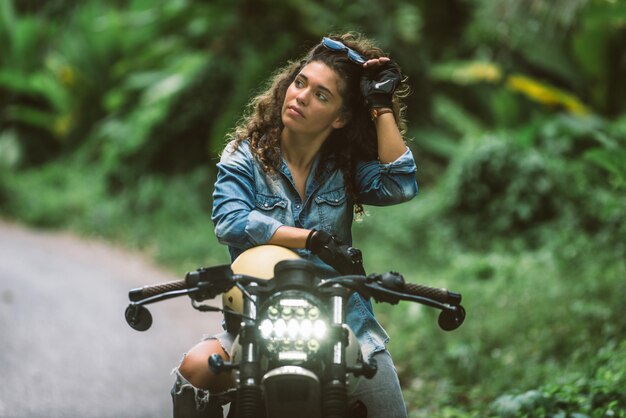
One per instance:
(65, 348)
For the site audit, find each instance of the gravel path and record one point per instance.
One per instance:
(65, 348)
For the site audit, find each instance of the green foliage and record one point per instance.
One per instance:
(166, 217)
(553, 171)
(596, 46)
(529, 230)
(540, 306)
(500, 188)
(533, 317)
(533, 35)
(92, 84)
(596, 394)
(611, 157)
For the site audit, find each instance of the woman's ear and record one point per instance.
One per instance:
(342, 120)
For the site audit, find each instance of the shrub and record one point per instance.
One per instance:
(501, 188)
(600, 393)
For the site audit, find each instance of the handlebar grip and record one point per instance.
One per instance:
(156, 289)
(438, 294)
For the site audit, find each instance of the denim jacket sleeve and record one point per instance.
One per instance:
(237, 222)
(387, 184)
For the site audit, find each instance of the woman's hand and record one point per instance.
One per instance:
(374, 62)
(380, 79)
(343, 258)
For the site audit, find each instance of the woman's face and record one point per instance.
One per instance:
(313, 101)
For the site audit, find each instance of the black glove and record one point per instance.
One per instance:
(379, 83)
(341, 257)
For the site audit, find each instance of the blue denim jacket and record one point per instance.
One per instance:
(249, 206)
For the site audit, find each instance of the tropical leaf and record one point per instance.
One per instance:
(612, 161)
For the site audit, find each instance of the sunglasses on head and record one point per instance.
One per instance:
(340, 47)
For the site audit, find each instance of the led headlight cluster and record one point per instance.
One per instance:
(292, 328)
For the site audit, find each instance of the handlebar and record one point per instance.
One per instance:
(207, 283)
(438, 294)
(390, 287)
(449, 319)
(145, 292)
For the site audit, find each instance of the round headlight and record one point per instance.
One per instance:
(292, 328)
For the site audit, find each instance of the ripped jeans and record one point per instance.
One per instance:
(192, 402)
(381, 395)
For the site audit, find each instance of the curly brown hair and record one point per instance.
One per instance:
(356, 141)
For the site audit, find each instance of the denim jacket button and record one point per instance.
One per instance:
(265, 204)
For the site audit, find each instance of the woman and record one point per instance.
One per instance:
(321, 141)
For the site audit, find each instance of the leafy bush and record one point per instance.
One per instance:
(533, 314)
(54, 196)
(516, 183)
(596, 394)
(501, 188)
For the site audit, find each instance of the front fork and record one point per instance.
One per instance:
(249, 401)
(334, 395)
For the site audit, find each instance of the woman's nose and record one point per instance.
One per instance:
(302, 97)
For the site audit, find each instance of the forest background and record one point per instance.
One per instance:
(112, 115)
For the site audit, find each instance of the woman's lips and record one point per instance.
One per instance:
(295, 110)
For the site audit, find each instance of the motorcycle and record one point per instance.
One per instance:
(293, 355)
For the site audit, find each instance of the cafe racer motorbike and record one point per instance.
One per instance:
(294, 355)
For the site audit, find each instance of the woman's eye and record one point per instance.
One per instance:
(322, 97)
(298, 83)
